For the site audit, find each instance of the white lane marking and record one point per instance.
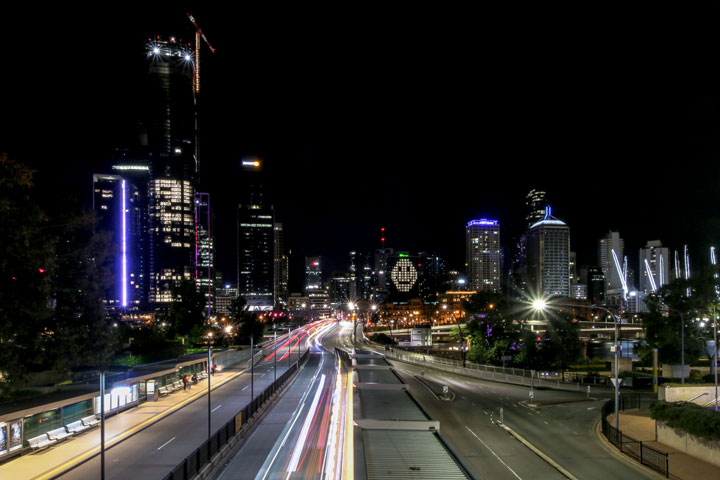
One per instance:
(213, 410)
(496, 455)
(164, 444)
(546, 423)
(246, 386)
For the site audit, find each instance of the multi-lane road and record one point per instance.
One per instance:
(303, 437)
(560, 425)
(158, 449)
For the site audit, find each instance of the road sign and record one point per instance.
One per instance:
(619, 381)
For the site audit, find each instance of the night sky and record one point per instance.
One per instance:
(416, 120)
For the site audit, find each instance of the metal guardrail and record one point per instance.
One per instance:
(491, 372)
(203, 455)
(646, 455)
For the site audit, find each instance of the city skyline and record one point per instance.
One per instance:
(601, 165)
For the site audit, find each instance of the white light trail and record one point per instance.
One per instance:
(309, 416)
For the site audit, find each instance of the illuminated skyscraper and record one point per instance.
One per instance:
(535, 203)
(313, 273)
(482, 243)
(170, 121)
(205, 249)
(255, 239)
(548, 257)
(115, 202)
(606, 245)
(281, 263)
(656, 259)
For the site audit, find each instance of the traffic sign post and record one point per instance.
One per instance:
(505, 357)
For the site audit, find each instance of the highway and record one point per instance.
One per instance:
(562, 426)
(155, 451)
(302, 437)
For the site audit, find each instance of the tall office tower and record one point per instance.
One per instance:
(573, 272)
(613, 283)
(381, 269)
(482, 247)
(170, 121)
(596, 285)
(535, 203)
(134, 166)
(339, 289)
(655, 258)
(548, 257)
(205, 249)
(255, 239)
(313, 273)
(433, 275)
(116, 204)
(281, 264)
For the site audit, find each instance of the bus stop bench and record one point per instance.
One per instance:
(58, 434)
(41, 441)
(90, 421)
(163, 391)
(76, 427)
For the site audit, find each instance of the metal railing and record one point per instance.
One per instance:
(538, 378)
(203, 455)
(637, 449)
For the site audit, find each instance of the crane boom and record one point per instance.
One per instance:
(198, 34)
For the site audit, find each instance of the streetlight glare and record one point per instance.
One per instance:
(539, 304)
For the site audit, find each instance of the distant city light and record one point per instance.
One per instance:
(482, 221)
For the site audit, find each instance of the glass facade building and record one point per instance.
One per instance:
(548, 257)
(483, 257)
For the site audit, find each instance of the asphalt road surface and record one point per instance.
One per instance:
(157, 450)
(562, 427)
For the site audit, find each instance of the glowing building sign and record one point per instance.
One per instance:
(482, 221)
(404, 275)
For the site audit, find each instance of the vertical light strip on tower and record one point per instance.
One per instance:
(662, 271)
(650, 276)
(124, 249)
(620, 273)
(687, 269)
(677, 265)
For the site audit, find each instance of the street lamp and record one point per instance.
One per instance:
(542, 305)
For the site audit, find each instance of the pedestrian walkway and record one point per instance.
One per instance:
(638, 425)
(51, 461)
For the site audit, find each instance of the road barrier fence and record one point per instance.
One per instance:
(637, 449)
(203, 455)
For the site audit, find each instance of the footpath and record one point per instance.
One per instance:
(44, 464)
(638, 425)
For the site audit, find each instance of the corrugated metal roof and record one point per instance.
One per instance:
(389, 405)
(397, 454)
(377, 376)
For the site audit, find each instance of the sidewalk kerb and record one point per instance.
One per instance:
(88, 455)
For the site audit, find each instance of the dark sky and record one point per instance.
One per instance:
(416, 120)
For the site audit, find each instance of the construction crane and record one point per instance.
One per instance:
(198, 33)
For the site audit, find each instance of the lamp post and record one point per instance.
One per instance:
(542, 305)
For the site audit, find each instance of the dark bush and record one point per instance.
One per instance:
(694, 419)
